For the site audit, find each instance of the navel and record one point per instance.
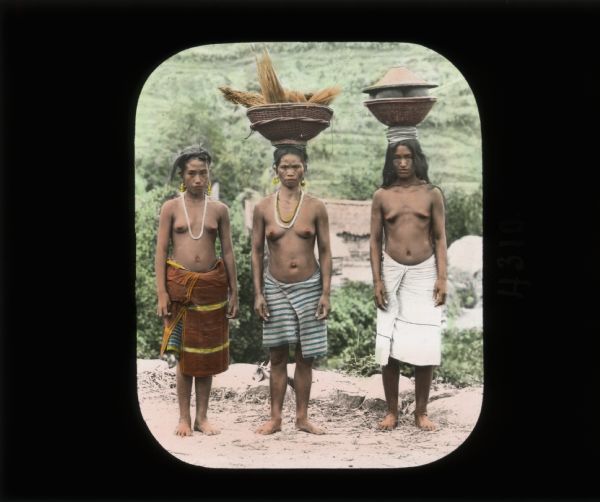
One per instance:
(293, 264)
(197, 259)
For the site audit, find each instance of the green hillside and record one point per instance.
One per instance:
(180, 104)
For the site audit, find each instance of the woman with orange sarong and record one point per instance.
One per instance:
(193, 286)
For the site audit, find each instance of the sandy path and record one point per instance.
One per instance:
(352, 440)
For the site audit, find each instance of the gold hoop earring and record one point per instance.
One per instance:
(303, 183)
(182, 187)
(209, 189)
(275, 180)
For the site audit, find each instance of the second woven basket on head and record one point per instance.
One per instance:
(400, 98)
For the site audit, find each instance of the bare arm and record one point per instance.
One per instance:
(375, 247)
(324, 260)
(258, 252)
(439, 236)
(229, 260)
(160, 259)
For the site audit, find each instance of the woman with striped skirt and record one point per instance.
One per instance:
(292, 295)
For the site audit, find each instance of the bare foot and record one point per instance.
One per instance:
(422, 422)
(269, 427)
(183, 428)
(306, 426)
(206, 427)
(389, 422)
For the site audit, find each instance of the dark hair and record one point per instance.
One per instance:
(419, 162)
(282, 150)
(187, 154)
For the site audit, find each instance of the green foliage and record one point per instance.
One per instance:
(246, 331)
(351, 329)
(149, 325)
(351, 324)
(462, 357)
(463, 214)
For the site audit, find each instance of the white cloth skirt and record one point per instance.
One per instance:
(409, 330)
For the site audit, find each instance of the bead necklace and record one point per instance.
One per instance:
(279, 220)
(187, 218)
(286, 220)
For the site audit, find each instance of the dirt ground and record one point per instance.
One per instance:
(348, 407)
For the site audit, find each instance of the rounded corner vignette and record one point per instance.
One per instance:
(309, 255)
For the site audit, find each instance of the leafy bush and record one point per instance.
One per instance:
(149, 325)
(246, 331)
(462, 357)
(351, 329)
(463, 214)
(351, 324)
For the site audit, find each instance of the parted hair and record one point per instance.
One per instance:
(419, 162)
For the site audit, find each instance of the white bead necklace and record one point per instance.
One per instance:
(296, 213)
(187, 218)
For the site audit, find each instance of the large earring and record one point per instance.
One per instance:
(209, 189)
(182, 187)
(275, 180)
(303, 183)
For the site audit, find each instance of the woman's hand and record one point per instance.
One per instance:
(233, 309)
(164, 307)
(260, 307)
(323, 308)
(380, 295)
(440, 292)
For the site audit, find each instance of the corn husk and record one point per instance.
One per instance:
(244, 98)
(294, 96)
(325, 96)
(270, 86)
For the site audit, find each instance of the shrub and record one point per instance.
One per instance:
(246, 331)
(462, 357)
(149, 325)
(463, 214)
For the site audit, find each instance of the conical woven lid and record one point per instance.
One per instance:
(399, 76)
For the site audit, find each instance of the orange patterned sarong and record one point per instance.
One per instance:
(199, 302)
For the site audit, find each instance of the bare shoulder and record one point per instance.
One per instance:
(314, 201)
(435, 190)
(262, 204)
(169, 205)
(379, 194)
(220, 207)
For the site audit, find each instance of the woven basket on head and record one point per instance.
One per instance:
(400, 111)
(297, 122)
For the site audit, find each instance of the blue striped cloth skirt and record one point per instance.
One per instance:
(292, 308)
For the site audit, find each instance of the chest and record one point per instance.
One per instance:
(304, 228)
(195, 214)
(413, 205)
